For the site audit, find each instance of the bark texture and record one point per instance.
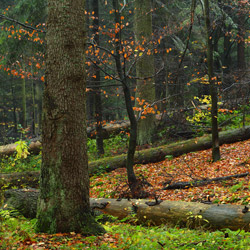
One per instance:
(63, 204)
(214, 216)
(145, 87)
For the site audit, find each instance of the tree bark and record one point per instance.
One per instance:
(141, 157)
(212, 216)
(63, 204)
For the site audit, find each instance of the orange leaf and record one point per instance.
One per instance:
(38, 65)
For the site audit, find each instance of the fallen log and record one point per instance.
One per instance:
(35, 145)
(197, 183)
(214, 216)
(109, 129)
(157, 154)
(10, 149)
(20, 180)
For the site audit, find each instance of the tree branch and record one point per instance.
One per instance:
(22, 24)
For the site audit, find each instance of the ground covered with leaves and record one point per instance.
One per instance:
(235, 159)
(18, 233)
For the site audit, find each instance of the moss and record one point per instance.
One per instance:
(84, 223)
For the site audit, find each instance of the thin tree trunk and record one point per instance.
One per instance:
(241, 37)
(132, 180)
(24, 106)
(33, 125)
(38, 103)
(213, 87)
(14, 107)
(97, 93)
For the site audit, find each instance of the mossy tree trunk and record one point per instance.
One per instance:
(145, 88)
(213, 86)
(63, 204)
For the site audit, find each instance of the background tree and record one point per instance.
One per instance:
(97, 81)
(64, 187)
(213, 86)
(145, 83)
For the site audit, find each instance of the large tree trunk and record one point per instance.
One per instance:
(214, 216)
(63, 204)
(145, 87)
(143, 156)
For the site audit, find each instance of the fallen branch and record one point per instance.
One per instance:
(185, 184)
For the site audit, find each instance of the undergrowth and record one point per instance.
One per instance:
(19, 233)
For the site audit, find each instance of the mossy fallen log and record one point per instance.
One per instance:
(214, 216)
(20, 180)
(149, 155)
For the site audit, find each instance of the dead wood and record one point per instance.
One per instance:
(144, 156)
(214, 216)
(197, 183)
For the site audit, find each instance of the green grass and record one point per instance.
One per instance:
(12, 164)
(16, 232)
(112, 146)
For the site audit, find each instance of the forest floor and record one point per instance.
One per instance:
(235, 159)
(18, 233)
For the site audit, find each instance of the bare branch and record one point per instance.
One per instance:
(106, 73)
(103, 86)
(148, 77)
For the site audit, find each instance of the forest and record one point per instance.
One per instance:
(124, 124)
